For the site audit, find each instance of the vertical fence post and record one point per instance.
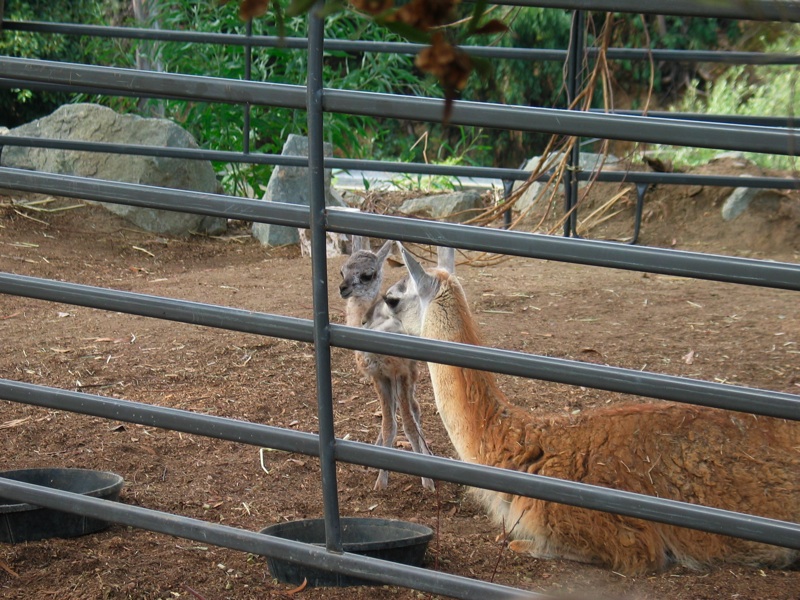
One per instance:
(248, 75)
(574, 66)
(319, 274)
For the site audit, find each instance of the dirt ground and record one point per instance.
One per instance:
(711, 331)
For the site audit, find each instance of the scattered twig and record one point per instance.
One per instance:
(143, 250)
(597, 217)
(261, 456)
(239, 239)
(193, 593)
(14, 423)
(22, 214)
(298, 589)
(33, 206)
(504, 542)
(8, 569)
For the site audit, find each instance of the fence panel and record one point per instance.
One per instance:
(769, 136)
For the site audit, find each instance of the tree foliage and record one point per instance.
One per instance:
(21, 105)
(745, 90)
(219, 126)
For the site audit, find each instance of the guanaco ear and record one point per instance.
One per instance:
(446, 258)
(426, 285)
(359, 243)
(384, 252)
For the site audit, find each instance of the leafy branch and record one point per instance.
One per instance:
(430, 22)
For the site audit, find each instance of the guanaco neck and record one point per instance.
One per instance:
(469, 401)
(356, 308)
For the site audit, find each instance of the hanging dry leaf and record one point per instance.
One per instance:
(493, 26)
(250, 9)
(427, 14)
(443, 59)
(373, 7)
(449, 64)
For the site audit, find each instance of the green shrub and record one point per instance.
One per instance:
(745, 90)
(220, 127)
(19, 105)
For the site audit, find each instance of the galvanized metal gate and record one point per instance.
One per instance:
(767, 136)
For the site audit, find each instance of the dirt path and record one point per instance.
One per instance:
(712, 331)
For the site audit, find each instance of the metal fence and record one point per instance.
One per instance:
(777, 137)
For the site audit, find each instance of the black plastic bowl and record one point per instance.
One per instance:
(397, 541)
(27, 523)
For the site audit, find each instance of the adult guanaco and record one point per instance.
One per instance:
(734, 461)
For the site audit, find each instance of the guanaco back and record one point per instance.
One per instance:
(728, 460)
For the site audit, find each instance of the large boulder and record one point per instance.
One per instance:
(95, 123)
(290, 185)
(455, 207)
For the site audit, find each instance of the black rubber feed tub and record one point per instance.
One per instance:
(397, 541)
(28, 523)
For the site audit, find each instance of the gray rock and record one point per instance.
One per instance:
(290, 185)
(589, 161)
(742, 197)
(528, 197)
(737, 202)
(95, 123)
(456, 207)
(734, 159)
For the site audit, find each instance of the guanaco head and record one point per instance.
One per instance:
(443, 304)
(362, 274)
(402, 300)
(424, 285)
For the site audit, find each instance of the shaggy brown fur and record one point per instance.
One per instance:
(723, 459)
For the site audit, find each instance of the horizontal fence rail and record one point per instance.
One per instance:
(586, 252)
(541, 120)
(294, 43)
(756, 10)
(775, 135)
(630, 381)
(435, 582)
(536, 486)
(457, 171)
